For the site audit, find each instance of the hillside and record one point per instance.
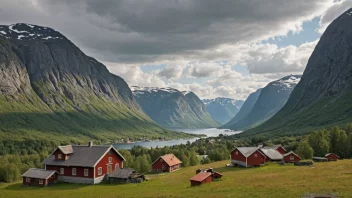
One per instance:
(245, 109)
(322, 97)
(268, 181)
(221, 109)
(270, 100)
(49, 89)
(172, 108)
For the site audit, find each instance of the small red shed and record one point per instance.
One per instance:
(332, 157)
(247, 156)
(291, 157)
(39, 177)
(201, 178)
(166, 163)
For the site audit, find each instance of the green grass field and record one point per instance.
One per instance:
(267, 181)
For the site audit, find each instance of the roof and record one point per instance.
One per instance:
(200, 176)
(320, 158)
(83, 155)
(331, 154)
(38, 173)
(274, 147)
(247, 151)
(170, 159)
(271, 153)
(123, 173)
(291, 152)
(66, 149)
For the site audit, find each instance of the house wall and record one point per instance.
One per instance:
(158, 166)
(68, 171)
(255, 161)
(104, 162)
(332, 157)
(63, 156)
(238, 158)
(281, 150)
(34, 182)
(287, 158)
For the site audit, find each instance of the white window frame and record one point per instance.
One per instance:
(117, 166)
(255, 155)
(236, 152)
(100, 171)
(74, 171)
(41, 181)
(292, 158)
(28, 179)
(110, 159)
(59, 156)
(62, 171)
(86, 172)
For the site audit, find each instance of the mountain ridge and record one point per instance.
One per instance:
(223, 109)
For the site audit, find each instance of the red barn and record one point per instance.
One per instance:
(291, 157)
(332, 157)
(247, 156)
(166, 163)
(278, 147)
(84, 164)
(39, 177)
(201, 178)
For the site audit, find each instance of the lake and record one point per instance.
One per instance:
(211, 132)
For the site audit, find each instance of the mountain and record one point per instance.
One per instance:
(323, 96)
(270, 100)
(245, 109)
(172, 108)
(49, 89)
(223, 109)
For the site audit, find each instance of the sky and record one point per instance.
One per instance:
(215, 48)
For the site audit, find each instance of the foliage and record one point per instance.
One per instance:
(305, 150)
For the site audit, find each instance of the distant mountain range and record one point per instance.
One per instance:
(49, 89)
(323, 96)
(223, 109)
(269, 101)
(172, 108)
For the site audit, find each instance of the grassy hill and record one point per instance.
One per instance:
(268, 181)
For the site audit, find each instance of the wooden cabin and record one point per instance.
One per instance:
(39, 177)
(291, 157)
(126, 175)
(247, 157)
(201, 178)
(166, 163)
(332, 157)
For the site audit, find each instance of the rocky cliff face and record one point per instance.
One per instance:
(245, 109)
(223, 110)
(172, 108)
(322, 97)
(43, 74)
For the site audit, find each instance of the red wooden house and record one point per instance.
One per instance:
(278, 147)
(84, 164)
(291, 157)
(332, 157)
(201, 178)
(247, 156)
(39, 177)
(166, 163)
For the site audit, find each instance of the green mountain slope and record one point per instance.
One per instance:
(323, 96)
(51, 90)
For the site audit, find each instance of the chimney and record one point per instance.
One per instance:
(90, 144)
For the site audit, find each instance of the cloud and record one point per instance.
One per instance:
(333, 12)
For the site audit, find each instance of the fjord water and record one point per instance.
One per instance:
(210, 132)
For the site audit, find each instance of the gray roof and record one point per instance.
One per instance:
(247, 151)
(273, 147)
(271, 153)
(320, 158)
(123, 173)
(38, 173)
(83, 155)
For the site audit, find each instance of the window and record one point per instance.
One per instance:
(292, 158)
(28, 179)
(100, 171)
(117, 166)
(59, 156)
(163, 167)
(255, 155)
(110, 159)
(73, 171)
(62, 171)
(236, 152)
(40, 181)
(86, 172)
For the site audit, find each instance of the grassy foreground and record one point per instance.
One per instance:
(268, 181)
